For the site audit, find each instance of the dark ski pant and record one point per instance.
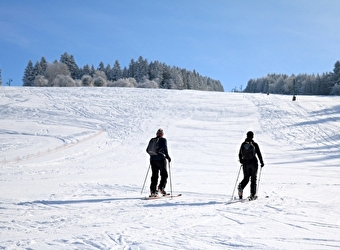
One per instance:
(156, 167)
(249, 172)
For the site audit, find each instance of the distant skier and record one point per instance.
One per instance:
(158, 151)
(247, 155)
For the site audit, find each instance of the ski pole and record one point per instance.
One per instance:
(170, 181)
(145, 179)
(258, 182)
(232, 196)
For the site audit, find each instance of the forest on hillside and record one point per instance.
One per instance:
(139, 73)
(302, 84)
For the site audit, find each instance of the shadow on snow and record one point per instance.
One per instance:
(66, 202)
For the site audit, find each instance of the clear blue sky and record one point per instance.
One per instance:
(227, 40)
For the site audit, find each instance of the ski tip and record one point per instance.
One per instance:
(176, 195)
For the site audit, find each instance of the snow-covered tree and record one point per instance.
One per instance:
(63, 81)
(55, 69)
(86, 80)
(177, 78)
(99, 79)
(146, 83)
(40, 81)
(124, 82)
(156, 71)
(151, 75)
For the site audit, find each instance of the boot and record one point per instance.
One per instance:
(240, 191)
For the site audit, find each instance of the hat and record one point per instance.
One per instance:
(160, 131)
(250, 135)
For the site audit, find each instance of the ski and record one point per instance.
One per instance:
(238, 200)
(235, 200)
(161, 197)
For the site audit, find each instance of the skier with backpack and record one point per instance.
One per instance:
(158, 151)
(247, 156)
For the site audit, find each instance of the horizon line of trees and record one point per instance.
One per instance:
(140, 74)
(302, 84)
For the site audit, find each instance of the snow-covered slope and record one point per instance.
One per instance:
(73, 162)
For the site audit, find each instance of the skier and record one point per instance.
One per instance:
(158, 164)
(247, 156)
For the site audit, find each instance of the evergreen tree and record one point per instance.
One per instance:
(327, 82)
(141, 69)
(86, 70)
(37, 69)
(139, 74)
(156, 72)
(116, 71)
(166, 76)
(125, 73)
(43, 65)
(336, 72)
(101, 67)
(131, 69)
(177, 78)
(29, 75)
(69, 61)
(92, 71)
(184, 73)
(108, 71)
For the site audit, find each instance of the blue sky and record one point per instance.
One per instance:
(227, 40)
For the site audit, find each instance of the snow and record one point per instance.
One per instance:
(73, 162)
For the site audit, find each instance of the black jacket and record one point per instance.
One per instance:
(162, 150)
(257, 152)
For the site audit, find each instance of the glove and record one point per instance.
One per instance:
(262, 165)
(169, 159)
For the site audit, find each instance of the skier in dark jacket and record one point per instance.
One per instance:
(249, 163)
(158, 164)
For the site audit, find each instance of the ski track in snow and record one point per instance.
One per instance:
(73, 161)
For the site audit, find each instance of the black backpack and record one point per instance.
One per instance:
(248, 151)
(153, 146)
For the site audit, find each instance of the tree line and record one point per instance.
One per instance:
(139, 73)
(303, 84)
